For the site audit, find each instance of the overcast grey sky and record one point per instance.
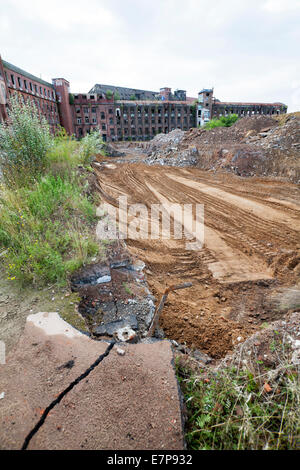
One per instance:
(246, 49)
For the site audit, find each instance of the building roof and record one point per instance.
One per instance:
(124, 93)
(232, 103)
(19, 71)
(150, 102)
(191, 100)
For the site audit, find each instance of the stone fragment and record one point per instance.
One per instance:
(121, 352)
(110, 328)
(126, 334)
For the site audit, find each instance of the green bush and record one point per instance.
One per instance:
(224, 121)
(24, 142)
(90, 146)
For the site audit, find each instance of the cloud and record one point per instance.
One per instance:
(245, 49)
(63, 15)
(281, 6)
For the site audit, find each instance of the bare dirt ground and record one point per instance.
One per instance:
(250, 256)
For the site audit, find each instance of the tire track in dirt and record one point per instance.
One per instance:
(256, 208)
(216, 311)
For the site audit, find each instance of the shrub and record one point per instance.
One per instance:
(71, 98)
(224, 121)
(90, 145)
(24, 142)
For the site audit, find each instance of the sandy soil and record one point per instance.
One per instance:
(251, 249)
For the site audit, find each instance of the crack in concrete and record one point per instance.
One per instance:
(63, 393)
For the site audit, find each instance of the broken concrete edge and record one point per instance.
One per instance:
(138, 318)
(52, 324)
(183, 414)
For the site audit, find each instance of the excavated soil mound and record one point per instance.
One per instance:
(251, 249)
(256, 123)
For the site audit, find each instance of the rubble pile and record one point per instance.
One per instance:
(254, 145)
(286, 137)
(164, 150)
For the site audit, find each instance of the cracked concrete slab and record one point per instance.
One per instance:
(128, 401)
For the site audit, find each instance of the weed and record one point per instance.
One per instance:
(90, 145)
(127, 289)
(46, 230)
(230, 409)
(24, 142)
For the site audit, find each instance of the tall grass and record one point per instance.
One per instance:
(47, 224)
(243, 408)
(24, 142)
(46, 230)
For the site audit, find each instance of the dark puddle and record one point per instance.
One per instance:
(115, 299)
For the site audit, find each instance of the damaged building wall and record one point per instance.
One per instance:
(119, 113)
(209, 108)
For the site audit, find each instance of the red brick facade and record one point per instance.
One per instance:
(117, 119)
(29, 87)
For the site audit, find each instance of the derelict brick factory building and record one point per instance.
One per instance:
(120, 113)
